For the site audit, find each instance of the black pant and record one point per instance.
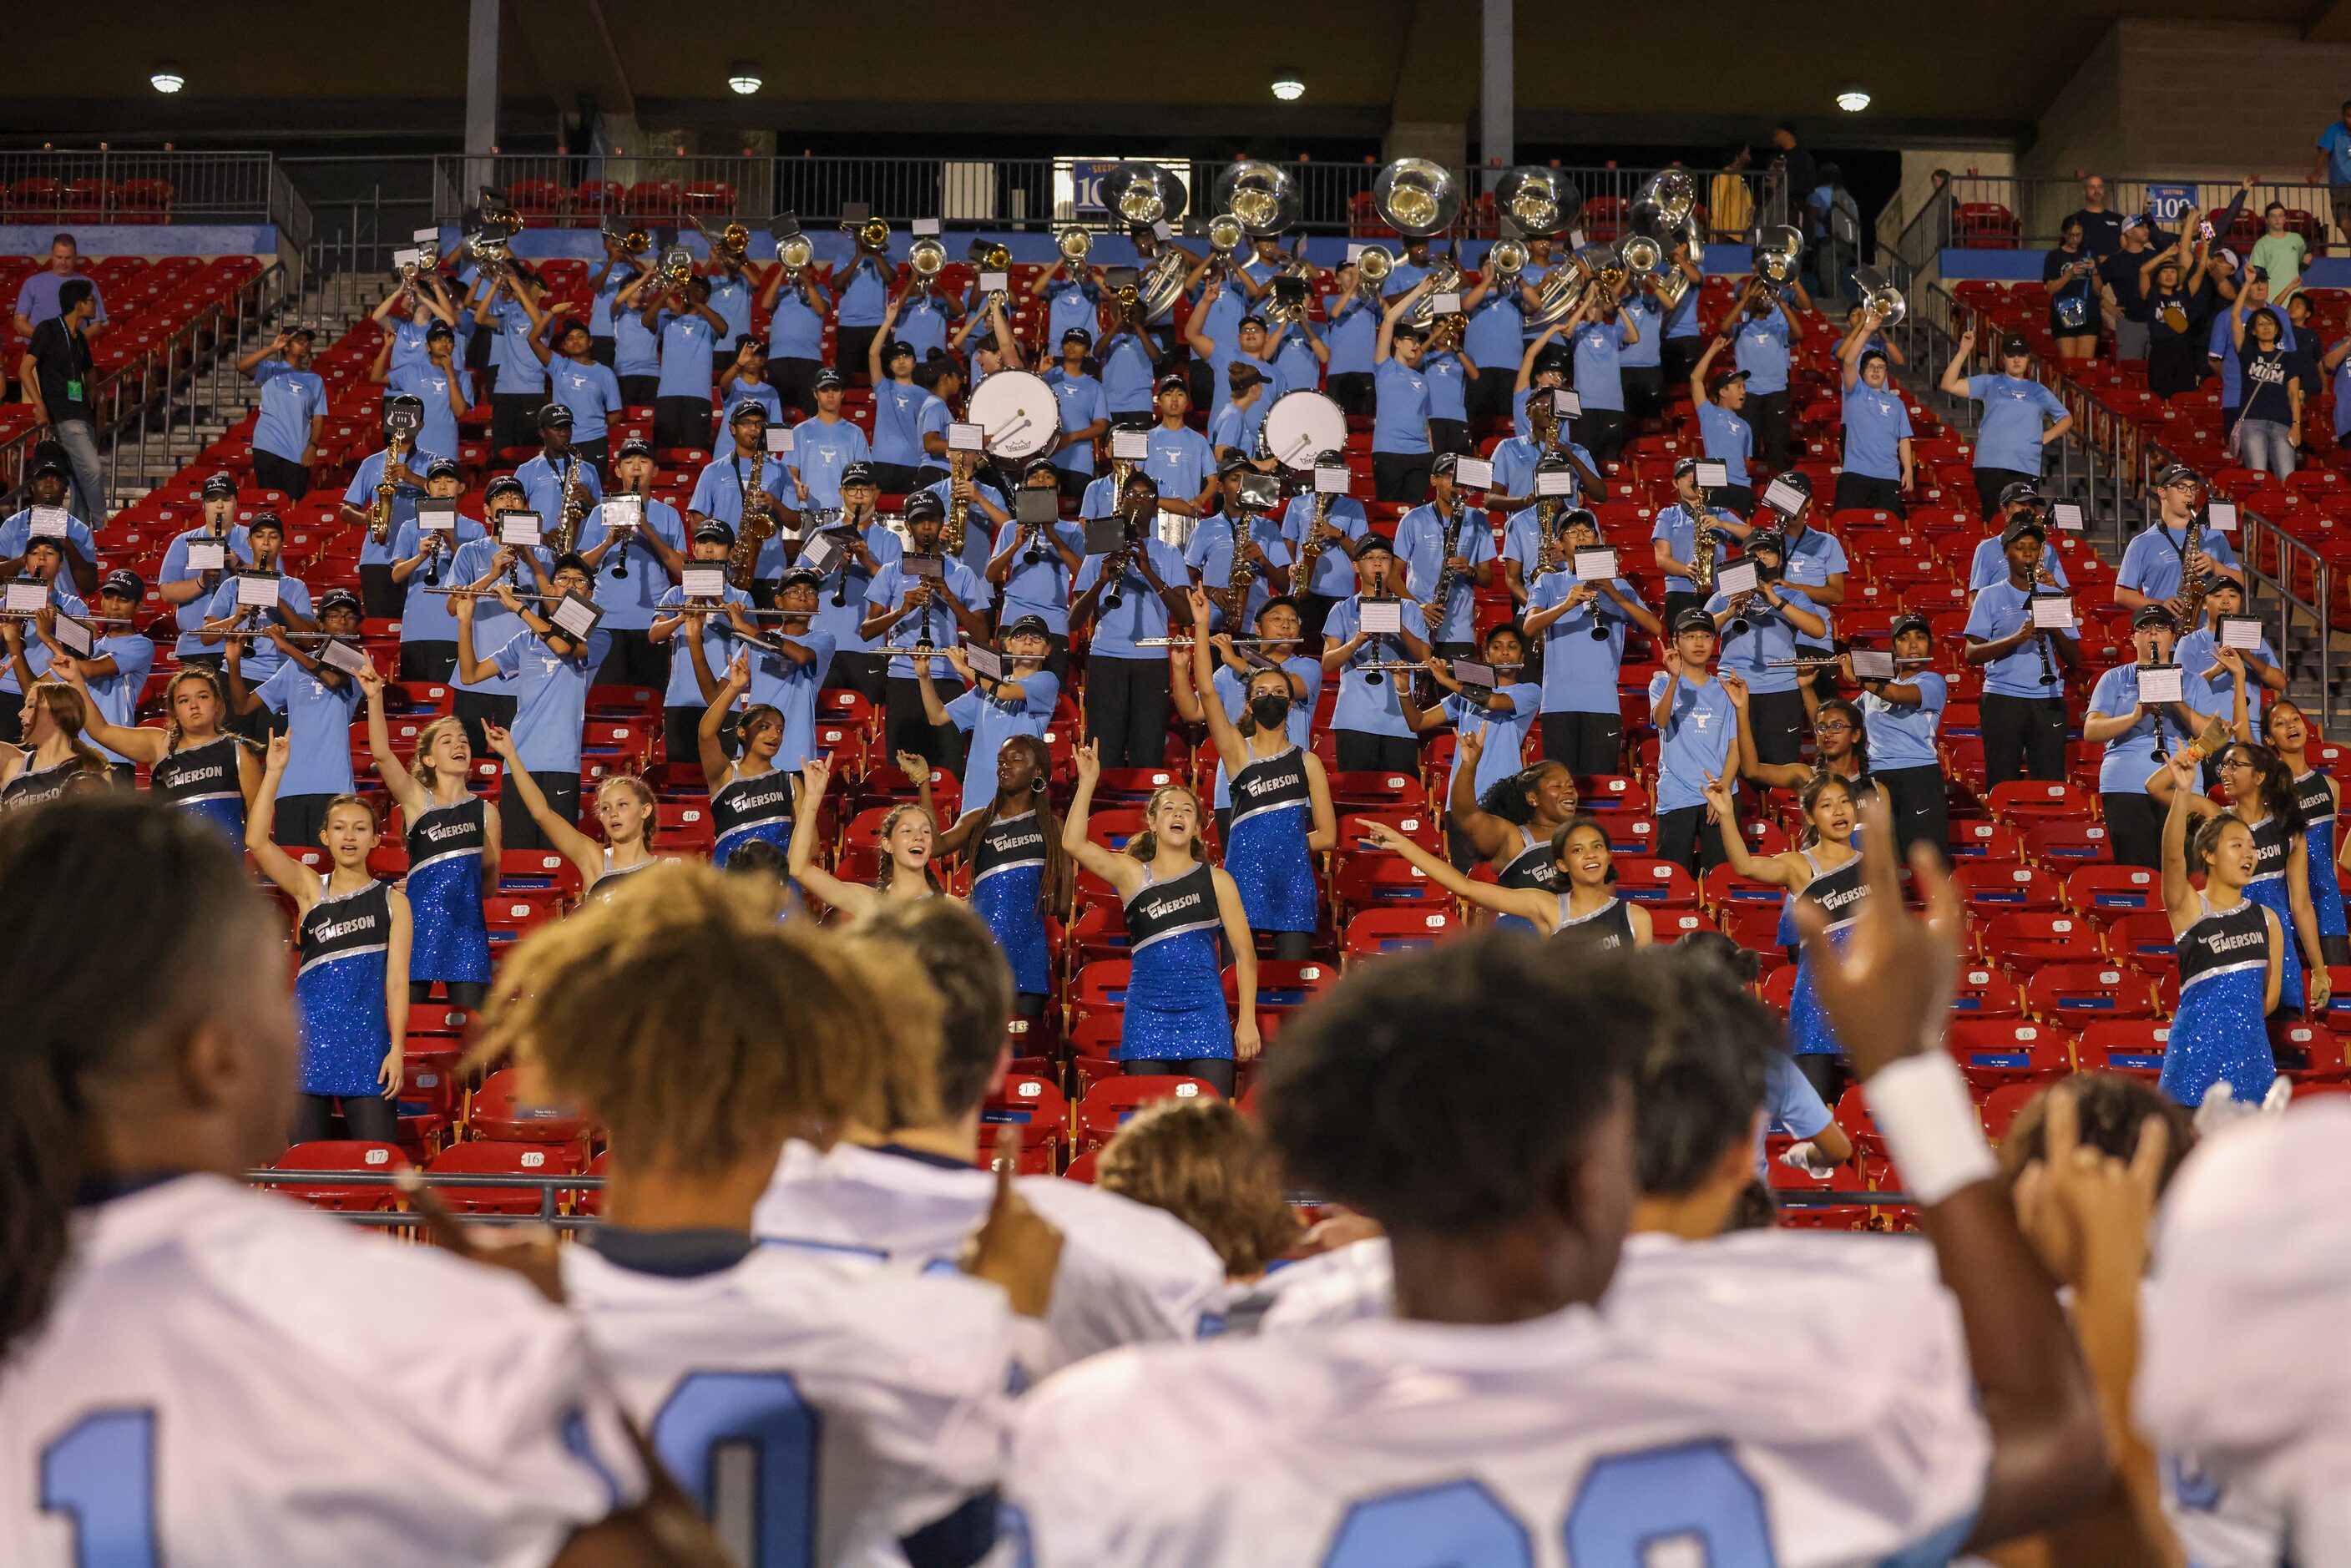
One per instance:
(1825, 1072)
(1601, 431)
(1401, 476)
(858, 672)
(461, 993)
(1217, 1070)
(895, 478)
(1877, 495)
(1361, 751)
(1588, 742)
(1314, 610)
(1738, 501)
(1489, 395)
(1449, 435)
(598, 454)
(271, 472)
(510, 418)
(1776, 720)
(850, 347)
(1127, 710)
(634, 659)
(428, 661)
(1645, 390)
(518, 830)
(2134, 826)
(381, 599)
(1353, 391)
(1686, 838)
(2023, 738)
(1680, 357)
(1990, 482)
(602, 350)
(682, 735)
(298, 819)
(795, 382)
(472, 709)
(1921, 806)
(1767, 416)
(370, 1118)
(1291, 946)
(682, 421)
(639, 392)
(904, 728)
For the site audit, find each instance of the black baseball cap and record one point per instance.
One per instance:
(635, 446)
(504, 484)
(2023, 523)
(923, 504)
(714, 532)
(404, 401)
(1231, 463)
(262, 520)
(1552, 357)
(123, 583)
(747, 408)
(2153, 615)
(1036, 466)
(798, 574)
(2013, 344)
(2176, 473)
(1028, 626)
(1170, 382)
(1370, 543)
(1078, 335)
(750, 340)
(1444, 463)
(1728, 377)
(1693, 620)
(440, 329)
(220, 485)
(827, 378)
(1771, 540)
(856, 474)
(1909, 622)
(53, 467)
(553, 415)
(2017, 490)
(339, 599)
(443, 468)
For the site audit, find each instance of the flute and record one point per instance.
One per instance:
(1236, 641)
(289, 636)
(493, 593)
(1817, 663)
(1376, 665)
(67, 614)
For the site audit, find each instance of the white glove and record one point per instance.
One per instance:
(1807, 1156)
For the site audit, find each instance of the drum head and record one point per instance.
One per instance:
(1018, 412)
(1299, 427)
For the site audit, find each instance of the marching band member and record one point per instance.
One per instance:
(1018, 874)
(1759, 645)
(1589, 912)
(293, 612)
(454, 842)
(1902, 717)
(2199, 649)
(316, 702)
(1182, 463)
(1130, 596)
(1763, 331)
(690, 333)
(714, 625)
(113, 678)
(795, 334)
(2023, 703)
(1367, 725)
(422, 559)
(995, 709)
(190, 590)
(1334, 521)
(193, 759)
(1032, 567)
(1675, 538)
(588, 391)
(564, 465)
(478, 564)
(1989, 564)
(1447, 549)
(2158, 563)
(352, 934)
(1235, 529)
(1177, 905)
(2011, 436)
(914, 610)
(1401, 452)
(552, 673)
(726, 482)
(1723, 433)
(970, 477)
(1085, 413)
(442, 386)
(399, 466)
(1583, 626)
(1449, 373)
(1237, 427)
(743, 378)
(1351, 373)
(909, 842)
(293, 411)
(632, 565)
(2232, 948)
(898, 406)
(1697, 728)
(865, 545)
(1877, 457)
(506, 298)
(28, 660)
(2134, 732)
(1600, 338)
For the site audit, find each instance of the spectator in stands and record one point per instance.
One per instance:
(2023, 705)
(2101, 230)
(2302, 360)
(44, 488)
(587, 390)
(1583, 623)
(564, 472)
(1798, 174)
(189, 579)
(2010, 434)
(2279, 253)
(112, 677)
(922, 600)
(795, 334)
(56, 377)
(1902, 715)
(1763, 330)
(314, 705)
(2336, 365)
(508, 302)
(36, 300)
(1833, 228)
(441, 388)
(635, 561)
(1401, 451)
(2070, 272)
(2180, 300)
(552, 674)
(293, 411)
(682, 398)
(1878, 461)
(2156, 562)
(2136, 734)
(2123, 290)
(1763, 632)
(1723, 436)
(2251, 293)
(1697, 732)
(2269, 420)
(1085, 413)
(826, 447)
(2333, 166)
(425, 302)
(1674, 538)
(424, 558)
(619, 270)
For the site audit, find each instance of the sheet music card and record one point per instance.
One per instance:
(820, 555)
(519, 530)
(966, 438)
(436, 516)
(2221, 516)
(1785, 498)
(576, 617)
(1131, 446)
(2243, 632)
(2160, 683)
(50, 522)
(74, 636)
(1872, 665)
(27, 597)
(1333, 481)
(2053, 612)
(2067, 516)
(1381, 617)
(207, 555)
(1595, 565)
(1713, 473)
(986, 663)
(779, 441)
(704, 582)
(1735, 579)
(1554, 482)
(257, 591)
(1474, 474)
(338, 655)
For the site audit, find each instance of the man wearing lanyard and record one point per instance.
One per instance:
(2157, 561)
(55, 377)
(2138, 735)
(1369, 732)
(2023, 707)
(46, 488)
(1129, 593)
(1990, 562)
(1674, 538)
(725, 481)
(634, 566)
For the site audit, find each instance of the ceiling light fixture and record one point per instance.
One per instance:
(1853, 100)
(744, 77)
(1288, 88)
(167, 78)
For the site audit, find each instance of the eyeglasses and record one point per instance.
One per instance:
(2231, 765)
(1831, 726)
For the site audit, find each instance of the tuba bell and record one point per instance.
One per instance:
(1880, 296)
(1663, 210)
(1264, 198)
(1142, 194)
(1777, 251)
(1540, 201)
(925, 258)
(1074, 245)
(1416, 197)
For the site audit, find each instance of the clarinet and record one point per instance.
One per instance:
(1378, 645)
(432, 557)
(621, 547)
(1445, 577)
(2041, 643)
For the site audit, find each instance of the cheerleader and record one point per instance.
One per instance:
(55, 758)
(1824, 869)
(750, 799)
(1581, 907)
(2261, 796)
(2231, 950)
(192, 760)
(2320, 799)
(1281, 802)
(1176, 903)
(1511, 825)
(1017, 874)
(351, 935)
(909, 844)
(455, 842)
(627, 811)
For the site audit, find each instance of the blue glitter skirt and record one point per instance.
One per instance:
(1006, 900)
(226, 813)
(345, 1034)
(1808, 1033)
(2270, 893)
(1266, 858)
(451, 941)
(2218, 1036)
(1175, 1002)
(776, 834)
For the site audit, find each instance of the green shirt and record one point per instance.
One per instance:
(2280, 258)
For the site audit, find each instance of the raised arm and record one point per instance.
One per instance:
(294, 879)
(1955, 375)
(1534, 906)
(1230, 747)
(846, 896)
(397, 779)
(1123, 873)
(713, 719)
(586, 855)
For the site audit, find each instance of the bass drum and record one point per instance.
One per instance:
(1299, 427)
(1017, 413)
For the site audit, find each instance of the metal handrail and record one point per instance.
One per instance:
(546, 1185)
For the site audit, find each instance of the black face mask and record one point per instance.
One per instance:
(1269, 709)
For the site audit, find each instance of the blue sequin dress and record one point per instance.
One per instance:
(1008, 868)
(1265, 848)
(205, 779)
(1840, 891)
(344, 945)
(751, 806)
(2313, 793)
(2219, 1035)
(1533, 867)
(2268, 888)
(1176, 991)
(445, 845)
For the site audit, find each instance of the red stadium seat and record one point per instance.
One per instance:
(1993, 1052)
(486, 1157)
(496, 1111)
(2104, 893)
(2022, 800)
(1377, 931)
(1109, 1104)
(2039, 937)
(2132, 1046)
(2144, 940)
(1382, 882)
(1989, 887)
(1033, 1104)
(345, 1156)
(2065, 844)
(1999, 1107)
(2058, 992)
(1984, 992)
(1661, 884)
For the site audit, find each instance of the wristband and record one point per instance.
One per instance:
(1921, 1107)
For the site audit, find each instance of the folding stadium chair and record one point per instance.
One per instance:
(2063, 844)
(2056, 992)
(345, 1156)
(1999, 1107)
(2143, 940)
(2107, 893)
(1378, 931)
(2028, 936)
(483, 1157)
(1989, 887)
(1385, 881)
(1662, 884)
(497, 1112)
(2022, 800)
(2308, 1052)
(1108, 1105)
(1034, 1105)
(2130, 1046)
(1987, 993)
(1671, 925)
(1992, 1052)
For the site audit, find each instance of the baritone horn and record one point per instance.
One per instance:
(925, 258)
(1540, 201)
(1880, 296)
(1776, 253)
(1263, 197)
(1142, 194)
(1074, 244)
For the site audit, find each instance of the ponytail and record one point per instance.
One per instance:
(1145, 845)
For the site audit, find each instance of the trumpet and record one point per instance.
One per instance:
(872, 235)
(925, 258)
(1880, 296)
(1074, 244)
(1506, 260)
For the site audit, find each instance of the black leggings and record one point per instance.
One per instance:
(2134, 827)
(370, 1118)
(1127, 710)
(1217, 1070)
(1825, 1072)
(470, 994)
(1029, 1005)
(1290, 946)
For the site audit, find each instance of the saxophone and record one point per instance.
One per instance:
(1121, 468)
(1549, 533)
(1702, 558)
(757, 527)
(1310, 552)
(2191, 590)
(575, 506)
(958, 512)
(380, 510)
(1240, 574)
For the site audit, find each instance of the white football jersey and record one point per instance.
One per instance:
(1758, 1409)
(2249, 1293)
(230, 1379)
(1129, 1273)
(821, 1411)
(1357, 1281)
